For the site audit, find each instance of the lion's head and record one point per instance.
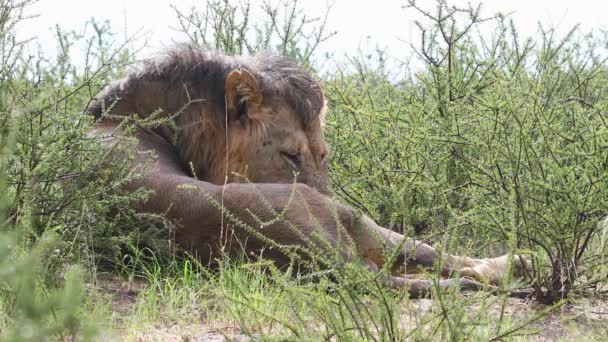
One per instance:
(274, 130)
(237, 119)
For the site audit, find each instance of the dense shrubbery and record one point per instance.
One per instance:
(500, 144)
(61, 206)
(503, 142)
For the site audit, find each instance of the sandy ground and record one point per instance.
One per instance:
(571, 322)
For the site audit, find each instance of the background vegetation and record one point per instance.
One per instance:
(497, 144)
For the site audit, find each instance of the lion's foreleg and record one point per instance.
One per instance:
(378, 244)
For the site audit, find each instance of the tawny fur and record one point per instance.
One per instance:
(187, 85)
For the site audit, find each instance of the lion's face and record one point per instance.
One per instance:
(269, 142)
(288, 151)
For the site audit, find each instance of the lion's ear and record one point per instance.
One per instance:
(242, 92)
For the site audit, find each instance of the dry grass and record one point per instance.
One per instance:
(582, 319)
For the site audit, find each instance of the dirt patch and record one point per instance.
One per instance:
(582, 319)
(585, 319)
(177, 333)
(121, 294)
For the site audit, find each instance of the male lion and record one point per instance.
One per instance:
(248, 138)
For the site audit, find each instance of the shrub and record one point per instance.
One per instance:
(501, 141)
(60, 204)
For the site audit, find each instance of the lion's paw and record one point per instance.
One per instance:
(493, 270)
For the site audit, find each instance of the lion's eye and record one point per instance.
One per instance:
(294, 158)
